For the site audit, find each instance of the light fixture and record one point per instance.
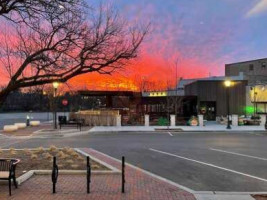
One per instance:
(55, 85)
(227, 83)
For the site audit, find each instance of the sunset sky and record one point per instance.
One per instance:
(203, 35)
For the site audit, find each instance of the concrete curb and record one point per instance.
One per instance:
(97, 160)
(102, 129)
(29, 174)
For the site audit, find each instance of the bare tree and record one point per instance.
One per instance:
(58, 47)
(29, 10)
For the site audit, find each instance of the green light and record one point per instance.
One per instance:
(249, 109)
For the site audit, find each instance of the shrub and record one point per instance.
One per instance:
(62, 155)
(47, 156)
(66, 149)
(52, 148)
(163, 121)
(71, 151)
(76, 155)
(26, 151)
(80, 158)
(12, 151)
(34, 156)
(40, 150)
(95, 167)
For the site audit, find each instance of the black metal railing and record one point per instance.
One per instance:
(88, 174)
(123, 175)
(54, 174)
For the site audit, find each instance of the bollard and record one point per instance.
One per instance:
(88, 174)
(54, 174)
(123, 175)
(28, 120)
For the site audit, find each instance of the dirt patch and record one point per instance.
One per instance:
(42, 159)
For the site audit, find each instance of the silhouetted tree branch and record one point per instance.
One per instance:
(60, 46)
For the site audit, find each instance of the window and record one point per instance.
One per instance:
(251, 67)
(263, 65)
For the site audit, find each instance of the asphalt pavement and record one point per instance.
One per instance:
(227, 162)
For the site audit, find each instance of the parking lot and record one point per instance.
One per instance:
(235, 162)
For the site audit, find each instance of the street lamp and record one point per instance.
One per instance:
(228, 84)
(55, 86)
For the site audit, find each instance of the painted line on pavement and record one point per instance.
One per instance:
(149, 173)
(210, 165)
(238, 154)
(170, 133)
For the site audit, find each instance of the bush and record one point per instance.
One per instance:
(34, 156)
(52, 148)
(40, 150)
(47, 156)
(163, 121)
(26, 151)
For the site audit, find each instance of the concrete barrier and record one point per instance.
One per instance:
(20, 125)
(173, 120)
(34, 123)
(118, 120)
(263, 120)
(10, 128)
(201, 120)
(146, 120)
(234, 120)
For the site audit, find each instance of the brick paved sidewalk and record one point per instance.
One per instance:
(139, 186)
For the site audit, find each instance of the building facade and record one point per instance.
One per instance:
(255, 71)
(248, 93)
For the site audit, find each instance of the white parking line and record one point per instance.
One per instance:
(238, 154)
(170, 133)
(210, 165)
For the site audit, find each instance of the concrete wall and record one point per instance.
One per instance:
(258, 74)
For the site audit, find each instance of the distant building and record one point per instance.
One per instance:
(205, 96)
(247, 95)
(255, 71)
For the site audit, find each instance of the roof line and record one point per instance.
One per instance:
(259, 59)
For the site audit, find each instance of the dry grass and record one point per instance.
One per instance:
(70, 151)
(26, 151)
(95, 167)
(53, 148)
(40, 150)
(80, 158)
(34, 156)
(62, 155)
(75, 166)
(47, 155)
(70, 162)
(12, 151)
(67, 159)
